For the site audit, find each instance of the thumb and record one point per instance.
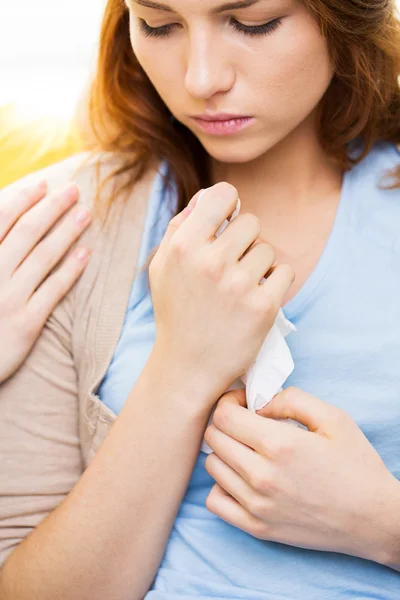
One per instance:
(317, 415)
(236, 397)
(177, 221)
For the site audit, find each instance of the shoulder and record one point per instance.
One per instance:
(373, 187)
(86, 169)
(103, 184)
(378, 166)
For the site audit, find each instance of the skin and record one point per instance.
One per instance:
(204, 64)
(29, 252)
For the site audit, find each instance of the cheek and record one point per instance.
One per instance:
(162, 72)
(298, 70)
(156, 61)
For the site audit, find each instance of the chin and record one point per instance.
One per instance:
(229, 150)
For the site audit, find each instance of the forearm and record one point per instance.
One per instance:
(106, 540)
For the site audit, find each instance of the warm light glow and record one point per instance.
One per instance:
(46, 51)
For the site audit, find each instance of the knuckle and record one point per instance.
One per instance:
(29, 324)
(210, 461)
(269, 252)
(252, 221)
(5, 213)
(340, 416)
(256, 505)
(153, 267)
(266, 311)
(258, 482)
(226, 193)
(225, 189)
(239, 282)
(259, 530)
(221, 416)
(61, 281)
(212, 268)
(173, 223)
(291, 394)
(287, 271)
(282, 450)
(67, 272)
(211, 502)
(42, 258)
(179, 247)
(27, 225)
(24, 193)
(8, 299)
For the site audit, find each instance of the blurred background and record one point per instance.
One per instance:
(47, 49)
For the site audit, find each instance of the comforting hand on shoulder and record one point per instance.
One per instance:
(32, 242)
(325, 488)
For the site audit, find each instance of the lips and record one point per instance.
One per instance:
(222, 124)
(219, 117)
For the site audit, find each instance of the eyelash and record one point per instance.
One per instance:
(251, 30)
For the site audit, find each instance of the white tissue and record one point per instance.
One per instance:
(274, 363)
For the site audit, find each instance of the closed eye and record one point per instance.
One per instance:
(252, 30)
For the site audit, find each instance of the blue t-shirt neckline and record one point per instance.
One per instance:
(330, 252)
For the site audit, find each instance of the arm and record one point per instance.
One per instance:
(100, 535)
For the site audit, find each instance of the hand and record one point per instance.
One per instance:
(211, 314)
(29, 250)
(323, 488)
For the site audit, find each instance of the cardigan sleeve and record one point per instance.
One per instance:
(39, 439)
(40, 458)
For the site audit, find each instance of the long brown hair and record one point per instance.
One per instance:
(129, 119)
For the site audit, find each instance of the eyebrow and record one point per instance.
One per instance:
(219, 9)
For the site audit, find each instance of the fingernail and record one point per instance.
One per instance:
(82, 216)
(82, 254)
(193, 202)
(71, 191)
(42, 186)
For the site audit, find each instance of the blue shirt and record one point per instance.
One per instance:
(346, 351)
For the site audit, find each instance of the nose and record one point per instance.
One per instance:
(209, 69)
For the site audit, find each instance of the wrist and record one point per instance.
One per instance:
(384, 525)
(389, 553)
(182, 387)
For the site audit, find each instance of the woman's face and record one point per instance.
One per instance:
(264, 59)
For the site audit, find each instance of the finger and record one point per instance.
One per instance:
(218, 203)
(177, 221)
(51, 292)
(228, 509)
(265, 436)
(236, 397)
(276, 285)
(242, 459)
(13, 206)
(33, 225)
(318, 416)
(258, 260)
(50, 250)
(228, 479)
(237, 238)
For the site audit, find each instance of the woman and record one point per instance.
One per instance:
(295, 107)
(28, 253)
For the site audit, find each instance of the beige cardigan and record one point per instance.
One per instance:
(51, 421)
